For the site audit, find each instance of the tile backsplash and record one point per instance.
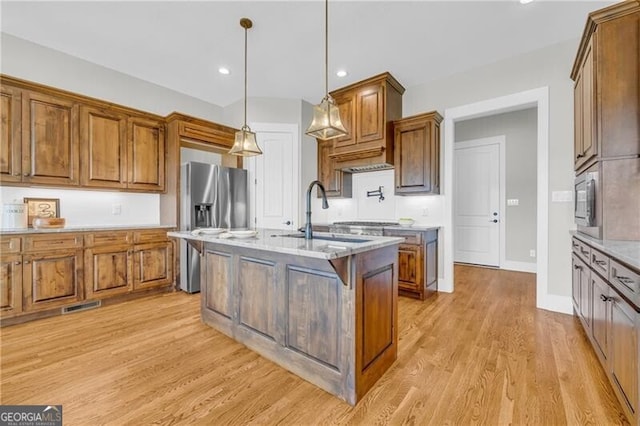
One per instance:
(93, 208)
(425, 210)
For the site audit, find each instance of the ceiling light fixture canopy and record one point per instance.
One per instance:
(245, 143)
(326, 123)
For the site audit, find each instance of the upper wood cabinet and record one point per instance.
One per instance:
(146, 154)
(337, 184)
(367, 109)
(607, 88)
(417, 154)
(49, 139)
(55, 138)
(10, 134)
(104, 148)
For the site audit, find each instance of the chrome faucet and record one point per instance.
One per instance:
(308, 231)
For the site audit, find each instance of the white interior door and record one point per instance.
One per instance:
(275, 175)
(477, 202)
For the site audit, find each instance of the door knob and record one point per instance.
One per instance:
(494, 220)
(287, 222)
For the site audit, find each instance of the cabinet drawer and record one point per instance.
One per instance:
(582, 250)
(10, 245)
(625, 280)
(52, 242)
(600, 263)
(410, 237)
(142, 237)
(107, 239)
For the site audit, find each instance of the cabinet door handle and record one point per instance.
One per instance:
(577, 267)
(16, 174)
(17, 263)
(26, 262)
(624, 280)
(579, 155)
(604, 298)
(26, 174)
(600, 262)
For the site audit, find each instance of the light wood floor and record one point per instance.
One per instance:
(482, 355)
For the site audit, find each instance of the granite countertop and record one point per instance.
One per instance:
(412, 227)
(275, 240)
(626, 251)
(81, 228)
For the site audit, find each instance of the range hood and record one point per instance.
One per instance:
(365, 159)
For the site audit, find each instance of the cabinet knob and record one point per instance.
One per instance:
(26, 262)
(26, 174)
(577, 267)
(16, 174)
(579, 155)
(16, 263)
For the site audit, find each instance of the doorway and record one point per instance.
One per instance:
(274, 177)
(538, 98)
(479, 188)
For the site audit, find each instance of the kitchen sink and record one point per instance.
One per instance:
(332, 238)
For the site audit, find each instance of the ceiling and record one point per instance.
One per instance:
(180, 45)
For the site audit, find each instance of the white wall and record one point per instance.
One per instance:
(93, 208)
(545, 67)
(520, 131)
(33, 62)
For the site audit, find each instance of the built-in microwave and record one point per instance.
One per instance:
(586, 202)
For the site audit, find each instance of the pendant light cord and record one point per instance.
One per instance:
(326, 48)
(245, 77)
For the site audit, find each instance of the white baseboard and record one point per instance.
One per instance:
(552, 302)
(445, 286)
(511, 265)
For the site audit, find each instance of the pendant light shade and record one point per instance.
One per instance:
(245, 143)
(326, 123)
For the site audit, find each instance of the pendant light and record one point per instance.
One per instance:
(326, 123)
(245, 143)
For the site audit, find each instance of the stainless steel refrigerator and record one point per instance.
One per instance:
(211, 197)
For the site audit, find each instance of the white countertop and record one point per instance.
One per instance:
(81, 228)
(274, 240)
(626, 251)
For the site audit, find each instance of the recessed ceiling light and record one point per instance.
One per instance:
(223, 70)
(341, 73)
(525, 1)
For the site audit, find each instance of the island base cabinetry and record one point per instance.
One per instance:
(331, 322)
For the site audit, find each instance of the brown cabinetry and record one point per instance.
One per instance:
(42, 272)
(611, 320)
(146, 154)
(10, 134)
(49, 139)
(103, 148)
(417, 154)
(10, 276)
(367, 109)
(337, 184)
(607, 88)
(417, 262)
(55, 138)
(108, 263)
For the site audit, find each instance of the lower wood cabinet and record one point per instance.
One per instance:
(417, 262)
(10, 285)
(51, 279)
(43, 272)
(152, 265)
(611, 320)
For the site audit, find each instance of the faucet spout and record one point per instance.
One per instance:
(308, 230)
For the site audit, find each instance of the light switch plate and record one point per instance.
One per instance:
(513, 202)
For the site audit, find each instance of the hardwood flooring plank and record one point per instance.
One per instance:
(481, 355)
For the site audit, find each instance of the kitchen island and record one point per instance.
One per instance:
(324, 309)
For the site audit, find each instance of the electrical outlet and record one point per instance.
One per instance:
(116, 209)
(532, 253)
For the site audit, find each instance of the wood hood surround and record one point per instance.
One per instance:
(367, 109)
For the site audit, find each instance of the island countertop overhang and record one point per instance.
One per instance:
(276, 240)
